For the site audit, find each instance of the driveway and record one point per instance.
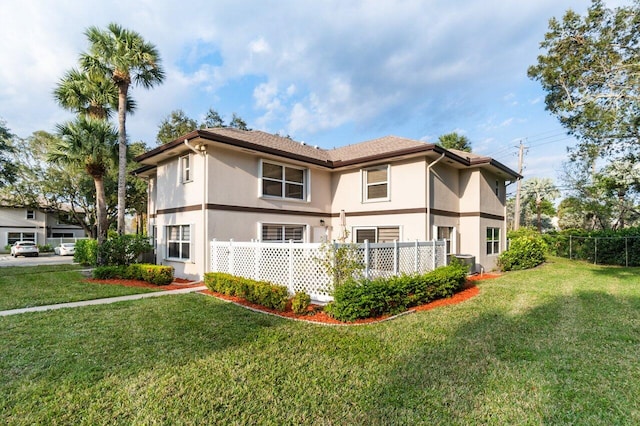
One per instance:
(43, 259)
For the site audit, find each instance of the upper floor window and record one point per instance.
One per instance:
(375, 182)
(283, 181)
(493, 240)
(31, 214)
(185, 168)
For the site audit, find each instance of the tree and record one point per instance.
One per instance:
(8, 169)
(175, 125)
(90, 95)
(125, 58)
(238, 123)
(620, 181)
(454, 141)
(212, 120)
(92, 143)
(590, 71)
(537, 190)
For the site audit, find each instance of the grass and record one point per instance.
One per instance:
(23, 287)
(555, 345)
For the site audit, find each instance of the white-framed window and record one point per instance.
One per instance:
(282, 181)
(493, 240)
(31, 214)
(377, 234)
(375, 183)
(62, 235)
(179, 242)
(12, 237)
(282, 233)
(185, 168)
(446, 233)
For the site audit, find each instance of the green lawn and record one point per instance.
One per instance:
(555, 345)
(23, 287)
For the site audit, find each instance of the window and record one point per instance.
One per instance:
(387, 234)
(446, 233)
(12, 237)
(376, 183)
(185, 168)
(65, 219)
(31, 214)
(178, 241)
(274, 233)
(493, 240)
(62, 235)
(283, 181)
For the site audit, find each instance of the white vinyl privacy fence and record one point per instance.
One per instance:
(297, 266)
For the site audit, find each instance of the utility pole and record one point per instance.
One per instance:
(516, 219)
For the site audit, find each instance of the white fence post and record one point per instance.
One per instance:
(232, 268)
(214, 256)
(396, 254)
(416, 258)
(290, 263)
(257, 255)
(433, 260)
(366, 259)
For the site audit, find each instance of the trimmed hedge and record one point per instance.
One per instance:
(300, 302)
(260, 292)
(86, 252)
(154, 274)
(357, 299)
(525, 252)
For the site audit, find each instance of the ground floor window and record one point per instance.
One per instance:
(276, 233)
(493, 240)
(179, 241)
(380, 234)
(12, 237)
(446, 233)
(62, 235)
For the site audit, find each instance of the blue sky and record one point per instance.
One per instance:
(329, 73)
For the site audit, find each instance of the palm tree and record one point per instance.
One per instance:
(538, 190)
(454, 140)
(125, 58)
(91, 95)
(91, 143)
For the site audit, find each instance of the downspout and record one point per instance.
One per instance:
(201, 150)
(433, 163)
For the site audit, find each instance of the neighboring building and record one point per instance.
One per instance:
(250, 185)
(29, 224)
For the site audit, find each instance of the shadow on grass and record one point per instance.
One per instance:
(570, 361)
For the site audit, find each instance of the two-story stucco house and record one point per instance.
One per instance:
(251, 185)
(31, 224)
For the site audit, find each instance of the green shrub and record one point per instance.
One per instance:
(46, 248)
(153, 274)
(123, 249)
(524, 252)
(259, 292)
(156, 274)
(371, 298)
(300, 302)
(86, 252)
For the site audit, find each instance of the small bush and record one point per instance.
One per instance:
(86, 252)
(259, 292)
(124, 249)
(46, 248)
(371, 298)
(153, 274)
(300, 302)
(524, 252)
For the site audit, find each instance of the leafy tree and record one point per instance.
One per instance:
(238, 123)
(212, 120)
(454, 140)
(589, 70)
(538, 190)
(124, 57)
(620, 181)
(8, 169)
(175, 125)
(92, 143)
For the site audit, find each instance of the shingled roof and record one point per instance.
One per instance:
(376, 149)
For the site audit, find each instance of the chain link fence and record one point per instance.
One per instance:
(621, 251)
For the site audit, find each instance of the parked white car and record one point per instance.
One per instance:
(24, 248)
(65, 249)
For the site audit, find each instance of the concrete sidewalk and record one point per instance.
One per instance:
(101, 301)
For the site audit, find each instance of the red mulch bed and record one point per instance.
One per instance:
(177, 283)
(316, 314)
